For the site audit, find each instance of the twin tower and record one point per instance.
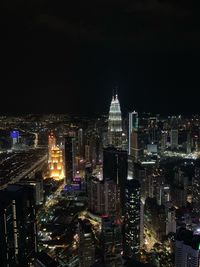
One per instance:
(115, 123)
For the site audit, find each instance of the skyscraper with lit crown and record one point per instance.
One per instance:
(115, 123)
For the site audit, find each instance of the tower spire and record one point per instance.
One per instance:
(113, 94)
(116, 93)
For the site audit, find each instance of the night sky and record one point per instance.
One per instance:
(63, 58)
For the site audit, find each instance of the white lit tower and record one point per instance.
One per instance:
(115, 123)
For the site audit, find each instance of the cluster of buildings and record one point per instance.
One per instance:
(137, 179)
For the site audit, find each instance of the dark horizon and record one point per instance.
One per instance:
(61, 59)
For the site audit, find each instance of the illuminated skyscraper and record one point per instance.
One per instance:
(134, 143)
(115, 123)
(132, 218)
(17, 226)
(56, 167)
(56, 164)
(196, 190)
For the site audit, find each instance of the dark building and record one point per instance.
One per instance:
(7, 252)
(69, 158)
(44, 260)
(132, 218)
(18, 232)
(87, 246)
(187, 247)
(115, 167)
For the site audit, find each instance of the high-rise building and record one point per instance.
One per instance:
(111, 241)
(164, 137)
(133, 126)
(115, 167)
(7, 252)
(80, 142)
(18, 230)
(104, 197)
(115, 123)
(135, 149)
(152, 129)
(179, 190)
(174, 138)
(196, 190)
(15, 138)
(187, 247)
(69, 158)
(189, 147)
(55, 160)
(170, 220)
(56, 167)
(86, 247)
(132, 218)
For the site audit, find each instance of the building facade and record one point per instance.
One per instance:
(115, 123)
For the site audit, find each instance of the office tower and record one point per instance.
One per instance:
(162, 192)
(174, 138)
(196, 190)
(19, 225)
(152, 129)
(187, 246)
(96, 195)
(87, 153)
(55, 159)
(132, 218)
(133, 126)
(135, 144)
(164, 140)
(195, 143)
(111, 241)
(86, 244)
(170, 220)
(115, 167)
(7, 252)
(115, 123)
(80, 142)
(179, 190)
(93, 148)
(189, 147)
(36, 182)
(69, 158)
(104, 197)
(56, 166)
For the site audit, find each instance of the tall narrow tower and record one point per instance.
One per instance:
(132, 218)
(133, 130)
(115, 123)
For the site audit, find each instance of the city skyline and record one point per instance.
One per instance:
(100, 134)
